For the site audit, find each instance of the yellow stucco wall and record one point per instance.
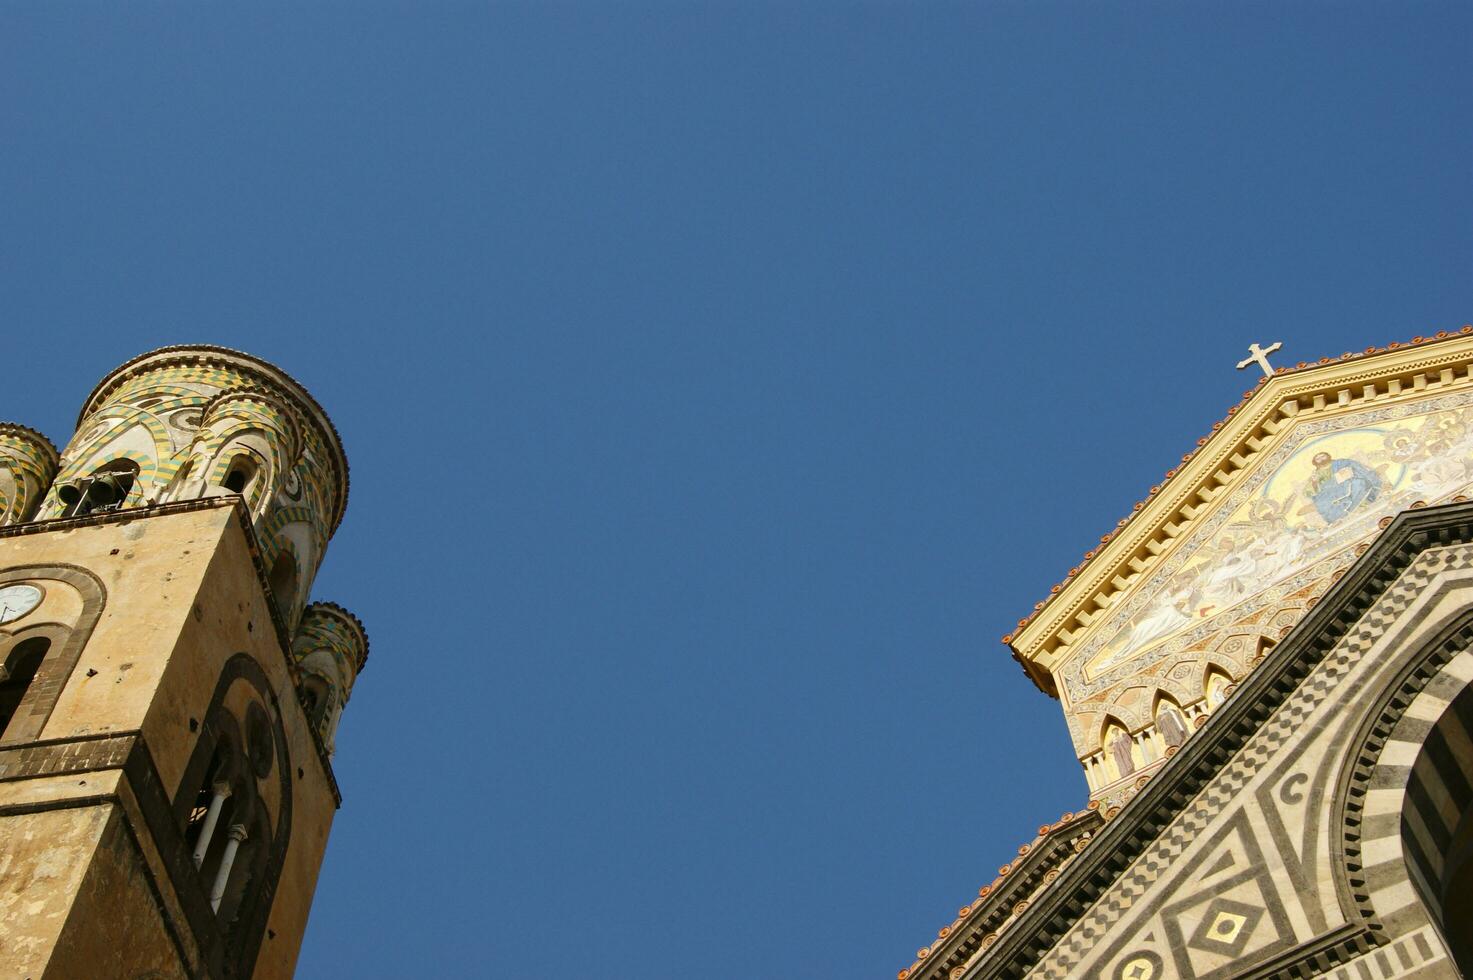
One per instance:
(181, 597)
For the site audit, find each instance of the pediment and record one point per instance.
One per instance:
(1262, 516)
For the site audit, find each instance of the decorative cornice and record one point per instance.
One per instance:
(1053, 912)
(1187, 489)
(258, 368)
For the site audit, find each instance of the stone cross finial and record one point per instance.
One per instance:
(1259, 355)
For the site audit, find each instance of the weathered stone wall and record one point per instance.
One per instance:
(177, 625)
(228, 615)
(43, 859)
(115, 928)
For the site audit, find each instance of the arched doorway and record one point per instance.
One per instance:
(1437, 824)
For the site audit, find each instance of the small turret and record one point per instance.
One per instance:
(187, 422)
(330, 649)
(28, 464)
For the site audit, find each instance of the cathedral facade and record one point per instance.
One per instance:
(168, 694)
(1266, 670)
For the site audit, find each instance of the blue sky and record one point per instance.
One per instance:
(720, 382)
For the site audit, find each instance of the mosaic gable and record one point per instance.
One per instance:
(1216, 567)
(1322, 492)
(1267, 672)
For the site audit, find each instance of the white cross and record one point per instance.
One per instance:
(1259, 355)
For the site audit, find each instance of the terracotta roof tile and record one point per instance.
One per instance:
(1003, 872)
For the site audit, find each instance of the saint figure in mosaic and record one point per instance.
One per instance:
(1170, 724)
(1339, 486)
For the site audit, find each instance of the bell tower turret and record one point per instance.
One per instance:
(28, 462)
(330, 649)
(183, 423)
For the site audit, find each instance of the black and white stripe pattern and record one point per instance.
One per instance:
(1419, 790)
(1401, 959)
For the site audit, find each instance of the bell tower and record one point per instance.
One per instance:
(169, 698)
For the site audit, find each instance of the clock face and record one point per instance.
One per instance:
(17, 600)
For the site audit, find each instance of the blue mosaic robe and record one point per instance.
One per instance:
(1335, 497)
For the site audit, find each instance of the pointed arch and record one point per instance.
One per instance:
(1171, 720)
(1119, 747)
(259, 442)
(1416, 828)
(240, 468)
(1215, 685)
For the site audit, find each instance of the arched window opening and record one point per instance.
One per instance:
(105, 489)
(207, 798)
(233, 881)
(223, 815)
(316, 698)
(240, 474)
(19, 670)
(235, 799)
(283, 581)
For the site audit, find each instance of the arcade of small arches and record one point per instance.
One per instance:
(1124, 754)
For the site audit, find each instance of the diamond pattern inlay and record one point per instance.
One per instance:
(1226, 928)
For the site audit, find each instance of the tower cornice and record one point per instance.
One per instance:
(258, 369)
